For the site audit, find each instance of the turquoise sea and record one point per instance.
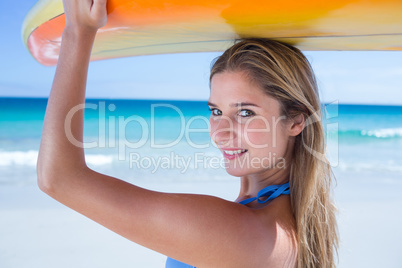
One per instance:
(169, 140)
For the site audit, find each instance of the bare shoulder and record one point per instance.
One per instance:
(279, 221)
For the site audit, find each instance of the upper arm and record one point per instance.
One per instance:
(198, 229)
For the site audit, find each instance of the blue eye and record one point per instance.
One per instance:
(215, 112)
(245, 113)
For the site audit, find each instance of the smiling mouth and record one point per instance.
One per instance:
(233, 152)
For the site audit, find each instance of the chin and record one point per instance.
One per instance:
(237, 172)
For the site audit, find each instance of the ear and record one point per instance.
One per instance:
(297, 125)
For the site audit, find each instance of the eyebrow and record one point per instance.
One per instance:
(237, 104)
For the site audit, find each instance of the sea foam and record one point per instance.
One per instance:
(383, 133)
(29, 158)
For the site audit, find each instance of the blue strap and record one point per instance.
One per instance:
(172, 263)
(272, 192)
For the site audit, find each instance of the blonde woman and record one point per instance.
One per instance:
(265, 118)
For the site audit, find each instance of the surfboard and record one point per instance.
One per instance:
(144, 27)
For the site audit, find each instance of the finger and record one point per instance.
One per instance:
(99, 8)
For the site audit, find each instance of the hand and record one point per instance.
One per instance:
(85, 15)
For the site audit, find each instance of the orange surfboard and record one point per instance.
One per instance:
(143, 27)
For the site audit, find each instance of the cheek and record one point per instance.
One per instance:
(215, 133)
(257, 139)
(257, 134)
(265, 138)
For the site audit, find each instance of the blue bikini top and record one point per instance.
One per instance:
(264, 195)
(271, 192)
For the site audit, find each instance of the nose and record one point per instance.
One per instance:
(222, 130)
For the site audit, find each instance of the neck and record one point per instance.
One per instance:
(251, 184)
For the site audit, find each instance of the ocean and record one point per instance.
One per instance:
(161, 140)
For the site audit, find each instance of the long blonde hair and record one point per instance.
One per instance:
(284, 73)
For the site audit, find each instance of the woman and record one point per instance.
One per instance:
(265, 118)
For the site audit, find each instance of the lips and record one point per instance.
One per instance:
(233, 153)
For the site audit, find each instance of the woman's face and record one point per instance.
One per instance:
(246, 125)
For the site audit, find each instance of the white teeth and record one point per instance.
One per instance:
(234, 152)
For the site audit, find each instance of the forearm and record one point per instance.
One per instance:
(57, 154)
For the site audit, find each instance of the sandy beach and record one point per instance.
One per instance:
(36, 231)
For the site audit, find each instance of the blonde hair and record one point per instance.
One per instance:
(284, 73)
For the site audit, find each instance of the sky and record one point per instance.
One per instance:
(362, 77)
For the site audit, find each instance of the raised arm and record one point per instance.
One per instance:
(83, 18)
(200, 230)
